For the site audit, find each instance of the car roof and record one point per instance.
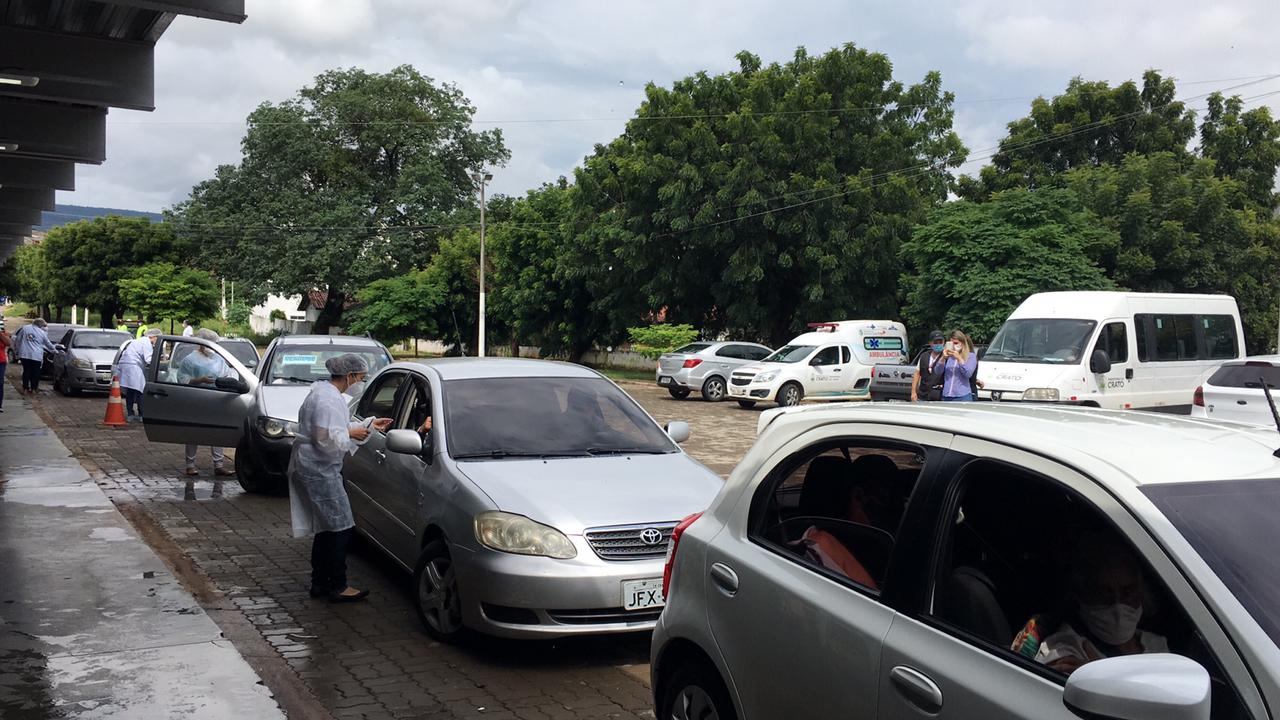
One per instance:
(471, 368)
(327, 339)
(1145, 447)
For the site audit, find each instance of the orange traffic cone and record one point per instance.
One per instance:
(115, 406)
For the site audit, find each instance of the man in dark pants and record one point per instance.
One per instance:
(32, 342)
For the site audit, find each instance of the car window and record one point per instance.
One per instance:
(1220, 336)
(380, 399)
(836, 507)
(242, 350)
(1114, 339)
(827, 356)
(188, 363)
(845, 354)
(304, 364)
(1031, 571)
(417, 406)
(757, 353)
(692, 348)
(730, 351)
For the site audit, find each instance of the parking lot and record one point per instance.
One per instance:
(370, 660)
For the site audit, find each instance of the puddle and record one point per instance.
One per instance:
(110, 534)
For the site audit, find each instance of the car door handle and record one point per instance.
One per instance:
(159, 393)
(916, 688)
(381, 455)
(1242, 402)
(725, 578)
(1128, 374)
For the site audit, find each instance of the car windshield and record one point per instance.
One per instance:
(495, 418)
(105, 340)
(692, 348)
(292, 364)
(791, 354)
(1231, 524)
(1041, 340)
(243, 351)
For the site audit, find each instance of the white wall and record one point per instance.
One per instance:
(260, 316)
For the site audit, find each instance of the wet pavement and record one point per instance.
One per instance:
(92, 624)
(235, 553)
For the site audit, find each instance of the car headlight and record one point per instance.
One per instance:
(1041, 395)
(274, 429)
(766, 376)
(82, 364)
(507, 532)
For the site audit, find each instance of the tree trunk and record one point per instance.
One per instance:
(58, 313)
(515, 347)
(331, 314)
(107, 316)
(44, 311)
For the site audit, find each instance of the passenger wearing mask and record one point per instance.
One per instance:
(134, 361)
(203, 367)
(1106, 595)
(318, 501)
(927, 384)
(960, 364)
(32, 342)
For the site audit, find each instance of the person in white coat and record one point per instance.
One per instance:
(187, 329)
(318, 502)
(202, 367)
(133, 372)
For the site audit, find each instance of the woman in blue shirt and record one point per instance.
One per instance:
(961, 362)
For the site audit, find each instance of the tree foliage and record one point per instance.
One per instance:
(28, 274)
(164, 291)
(652, 341)
(396, 309)
(972, 263)
(760, 199)
(341, 185)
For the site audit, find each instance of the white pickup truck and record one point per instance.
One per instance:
(831, 362)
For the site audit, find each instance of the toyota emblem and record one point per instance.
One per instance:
(650, 536)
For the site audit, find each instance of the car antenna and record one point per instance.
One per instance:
(1275, 415)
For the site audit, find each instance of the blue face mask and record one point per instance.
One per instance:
(937, 348)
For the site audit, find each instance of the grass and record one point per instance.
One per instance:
(625, 373)
(17, 310)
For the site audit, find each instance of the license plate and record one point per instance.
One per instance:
(664, 380)
(642, 594)
(733, 390)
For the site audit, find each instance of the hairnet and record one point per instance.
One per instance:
(346, 365)
(153, 332)
(40, 322)
(207, 334)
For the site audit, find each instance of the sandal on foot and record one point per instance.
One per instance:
(191, 472)
(342, 596)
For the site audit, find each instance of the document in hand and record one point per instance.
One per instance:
(368, 423)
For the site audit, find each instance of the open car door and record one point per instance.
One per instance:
(194, 398)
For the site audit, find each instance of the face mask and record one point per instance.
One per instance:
(1112, 624)
(937, 348)
(355, 389)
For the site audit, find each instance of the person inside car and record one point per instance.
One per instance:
(1106, 606)
(873, 501)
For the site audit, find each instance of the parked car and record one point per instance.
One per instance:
(253, 412)
(832, 362)
(884, 560)
(243, 350)
(85, 359)
(705, 367)
(57, 333)
(1234, 392)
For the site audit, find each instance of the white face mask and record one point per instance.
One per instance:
(1112, 624)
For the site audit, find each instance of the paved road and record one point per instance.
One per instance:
(368, 660)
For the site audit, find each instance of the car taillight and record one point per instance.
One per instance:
(671, 550)
(692, 362)
(1198, 399)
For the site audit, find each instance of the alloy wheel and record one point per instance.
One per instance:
(714, 390)
(694, 703)
(438, 596)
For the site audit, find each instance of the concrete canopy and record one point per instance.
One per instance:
(63, 63)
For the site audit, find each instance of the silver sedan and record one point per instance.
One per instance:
(705, 367)
(538, 503)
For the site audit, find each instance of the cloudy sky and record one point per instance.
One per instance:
(559, 76)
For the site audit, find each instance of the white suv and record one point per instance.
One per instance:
(971, 561)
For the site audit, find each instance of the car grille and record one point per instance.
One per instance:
(603, 616)
(627, 542)
(740, 380)
(102, 368)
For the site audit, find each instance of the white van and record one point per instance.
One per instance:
(1111, 349)
(833, 362)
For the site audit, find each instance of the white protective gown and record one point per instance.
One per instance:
(133, 364)
(317, 500)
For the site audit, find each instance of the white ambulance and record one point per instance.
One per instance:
(831, 362)
(1122, 350)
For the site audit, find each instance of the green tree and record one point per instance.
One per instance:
(341, 185)
(653, 340)
(87, 259)
(396, 309)
(30, 275)
(972, 263)
(760, 199)
(164, 291)
(1244, 145)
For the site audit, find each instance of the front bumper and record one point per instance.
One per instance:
(89, 380)
(759, 392)
(270, 457)
(517, 596)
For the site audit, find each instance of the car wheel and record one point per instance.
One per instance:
(790, 395)
(678, 393)
(693, 692)
(746, 404)
(713, 390)
(250, 479)
(59, 385)
(436, 596)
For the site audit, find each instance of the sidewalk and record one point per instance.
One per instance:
(92, 624)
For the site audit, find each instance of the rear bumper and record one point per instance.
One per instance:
(678, 378)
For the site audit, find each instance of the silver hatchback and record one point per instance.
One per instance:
(705, 367)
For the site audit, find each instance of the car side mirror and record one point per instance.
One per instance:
(678, 430)
(1139, 687)
(1099, 362)
(60, 347)
(231, 384)
(982, 351)
(405, 442)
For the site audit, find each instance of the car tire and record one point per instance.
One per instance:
(746, 404)
(435, 594)
(252, 481)
(714, 389)
(678, 393)
(694, 692)
(790, 395)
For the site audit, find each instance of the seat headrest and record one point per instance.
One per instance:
(827, 487)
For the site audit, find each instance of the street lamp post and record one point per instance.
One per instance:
(481, 179)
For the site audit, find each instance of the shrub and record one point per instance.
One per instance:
(654, 340)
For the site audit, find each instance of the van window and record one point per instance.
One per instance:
(1220, 340)
(1115, 340)
(1174, 335)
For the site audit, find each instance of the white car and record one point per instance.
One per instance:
(979, 560)
(1234, 392)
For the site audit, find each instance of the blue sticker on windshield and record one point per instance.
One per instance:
(299, 360)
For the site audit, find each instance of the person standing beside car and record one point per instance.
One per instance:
(318, 502)
(32, 342)
(134, 360)
(927, 384)
(202, 367)
(960, 364)
(6, 342)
